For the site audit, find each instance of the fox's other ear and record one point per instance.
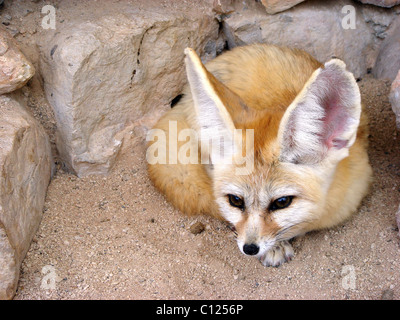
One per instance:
(322, 121)
(213, 119)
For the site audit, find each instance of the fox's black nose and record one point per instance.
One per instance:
(251, 249)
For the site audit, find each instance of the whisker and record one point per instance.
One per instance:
(233, 229)
(281, 235)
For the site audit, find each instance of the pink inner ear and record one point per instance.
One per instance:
(334, 124)
(339, 143)
(336, 116)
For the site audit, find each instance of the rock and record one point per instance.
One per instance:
(379, 19)
(314, 26)
(394, 98)
(274, 6)
(25, 164)
(382, 3)
(102, 74)
(197, 228)
(15, 69)
(388, 61)
(387, 294)
(223, 6)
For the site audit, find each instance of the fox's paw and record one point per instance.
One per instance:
(280, 253)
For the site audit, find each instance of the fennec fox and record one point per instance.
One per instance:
(294, 136)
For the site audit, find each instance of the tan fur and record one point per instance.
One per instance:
(256, 84)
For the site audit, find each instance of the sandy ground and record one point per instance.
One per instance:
(116, 237)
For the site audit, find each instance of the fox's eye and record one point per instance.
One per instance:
(236, 201)
(281, 203)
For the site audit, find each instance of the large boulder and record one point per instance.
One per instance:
(388, 61)
(274, 6)
(318, 27)
(394, 98)
(25, 166)
(15, 69)
(102, 73)
(382, 3)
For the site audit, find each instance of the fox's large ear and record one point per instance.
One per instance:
(322, 121)
(215, 123)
